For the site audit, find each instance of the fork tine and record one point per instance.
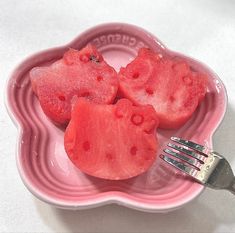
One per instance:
(190, 144)
(182, 167)
(191, 153)
(188, 160)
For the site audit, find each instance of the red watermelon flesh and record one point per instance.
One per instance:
(113, 142)
(81, 73)
(169, 85)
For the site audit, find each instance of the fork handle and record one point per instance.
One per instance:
(232, 187)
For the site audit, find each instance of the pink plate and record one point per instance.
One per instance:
(43, 164)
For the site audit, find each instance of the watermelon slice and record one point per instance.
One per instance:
(78, 74)
(113, 142)
(169, 85)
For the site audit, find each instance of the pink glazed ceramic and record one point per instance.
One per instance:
(43, 164)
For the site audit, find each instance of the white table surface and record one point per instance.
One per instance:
(204, 30)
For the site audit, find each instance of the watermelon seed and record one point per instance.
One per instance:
(133, 150)
(147, 158)
(137, 119)
(149, 91)
(94, 58)
(135, 75)
(172, 98)
(109, 156)
(61, 97)
(192, 69)
(99, 78)
(85, 94)
(174, 67)
(86, 146)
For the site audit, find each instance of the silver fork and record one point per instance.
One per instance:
(204, 165)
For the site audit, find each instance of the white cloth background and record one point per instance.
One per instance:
(203, 29)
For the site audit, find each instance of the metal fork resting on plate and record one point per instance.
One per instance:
(204, 165)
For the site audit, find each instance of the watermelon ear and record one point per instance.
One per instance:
(36, 74)
(123, 108)
(71, 57)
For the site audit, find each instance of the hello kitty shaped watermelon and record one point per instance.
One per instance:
(81, 73)
(112, 142)
(170, 85)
